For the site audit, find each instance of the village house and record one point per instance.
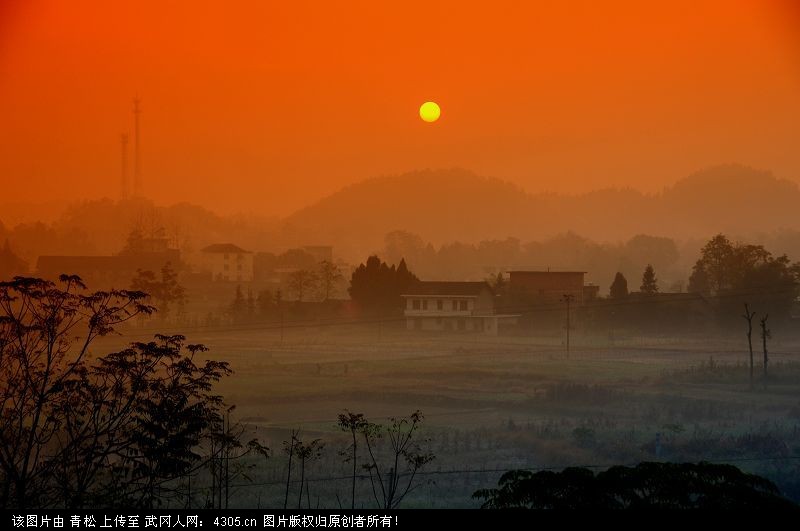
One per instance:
(552, 286)
(227, 262)
(456, 306)
(114, 271)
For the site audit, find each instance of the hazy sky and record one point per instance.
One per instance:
(265, 106)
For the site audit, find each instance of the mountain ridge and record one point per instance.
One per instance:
(457, 204)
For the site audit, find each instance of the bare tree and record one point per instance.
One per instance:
(330, 276)
(289, 449)
(765, 334)
(748, 316)
(353, 423)
(164, 292)
(295, 447)
(307, 452)
(403, 450)
(301, 282)
(226, 453)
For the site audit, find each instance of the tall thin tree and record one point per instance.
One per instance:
(765, 334)
(289, 449)
(330, 275)
(649, 282)
(403, 449)
(307, 452)
(353, 423)
(748, 316)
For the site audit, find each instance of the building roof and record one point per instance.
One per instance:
(458, 289)
(223, 248)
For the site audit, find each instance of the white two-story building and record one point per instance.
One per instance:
(456, 306)
(227, 262)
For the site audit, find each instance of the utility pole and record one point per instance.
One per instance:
(568, 298)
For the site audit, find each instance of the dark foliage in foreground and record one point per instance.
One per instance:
(78, 430)
(645, 486)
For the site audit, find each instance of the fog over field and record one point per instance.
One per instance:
(524, 369)
(362, 255)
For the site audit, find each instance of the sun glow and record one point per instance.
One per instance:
(429, 111)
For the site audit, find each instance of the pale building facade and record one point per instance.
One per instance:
(451, 306)
(227, 262)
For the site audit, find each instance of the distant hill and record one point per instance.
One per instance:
(455, 204)
(731, 199)
(441, 206)
(438, 205)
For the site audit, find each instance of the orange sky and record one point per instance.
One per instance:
(266, 106)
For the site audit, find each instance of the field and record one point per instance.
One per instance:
(496, 403)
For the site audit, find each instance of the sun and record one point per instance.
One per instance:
(429, 111)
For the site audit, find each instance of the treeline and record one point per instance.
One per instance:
(727, 280)
(647, 486)
(735, 274)
(374, 289)
(468, 261)
(725, 277)
(672, 259)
